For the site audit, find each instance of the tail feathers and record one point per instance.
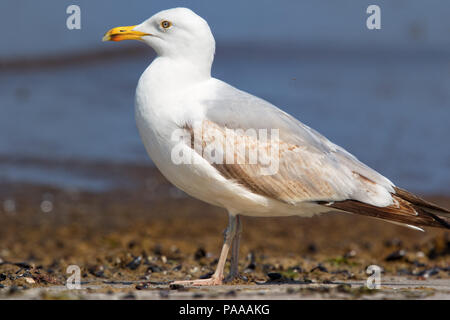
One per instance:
(407, 209)
(408, 196)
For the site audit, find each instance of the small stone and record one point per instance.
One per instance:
(174, 286)
(320, 268)
(396, 255)
(429, 272)
(29, 280)
(199, 254)
(177, 268)
(142, 286)
(350, 254)
(97, 271)
(274, 276)
(154, 268)
(135, 263)
(23, 265)
(206, 275)
(297, 269)
(194, 270)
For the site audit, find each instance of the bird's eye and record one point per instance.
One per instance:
(166, 24)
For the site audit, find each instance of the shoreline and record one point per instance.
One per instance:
(152, 234)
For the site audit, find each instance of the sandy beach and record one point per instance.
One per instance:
(130, 243)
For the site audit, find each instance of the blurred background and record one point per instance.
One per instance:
(381, 94)
(76, 185)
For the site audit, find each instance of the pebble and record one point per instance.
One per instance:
(153, 268)
(396, 255)
(199, 254)
(142, 286)
(23, 265)
(297, 269)
(174, 286)
(29, 280)
(350, 254)
(420, 254)
(97, 271)
(429, 272)
(206, 275)
(194, 270)
(274, 276)
(320, 268)
(135, 263)
(177, 268)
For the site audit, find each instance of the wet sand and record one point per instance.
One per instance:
(131, 242)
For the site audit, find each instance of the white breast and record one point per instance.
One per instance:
(163, 104)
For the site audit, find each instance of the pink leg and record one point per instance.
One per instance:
(217, 277)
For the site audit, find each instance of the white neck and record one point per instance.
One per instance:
(174, 73)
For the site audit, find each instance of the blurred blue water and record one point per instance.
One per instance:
(383, 95)
(39, 27)
(392, 113)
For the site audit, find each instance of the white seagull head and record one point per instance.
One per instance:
(176, 33)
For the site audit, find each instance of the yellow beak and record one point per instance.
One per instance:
(124, 33)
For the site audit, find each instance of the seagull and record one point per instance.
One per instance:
(234, 150)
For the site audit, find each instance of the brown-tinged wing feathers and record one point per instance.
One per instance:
(407, 208)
